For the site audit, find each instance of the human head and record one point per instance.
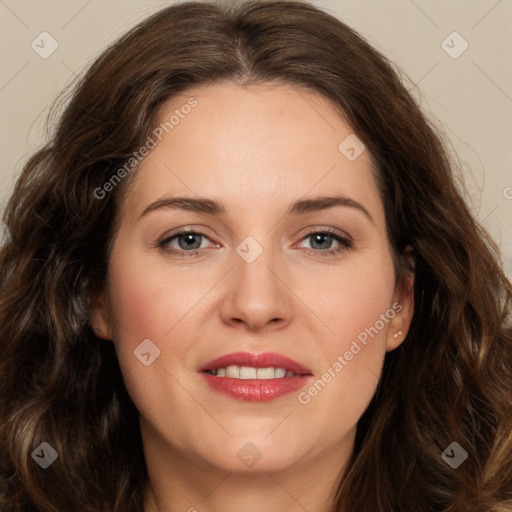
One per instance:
(118, 105)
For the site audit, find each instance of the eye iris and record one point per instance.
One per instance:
(193, 241)
(319, 236)
(189, 244)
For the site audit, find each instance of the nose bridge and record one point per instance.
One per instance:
(256, 296)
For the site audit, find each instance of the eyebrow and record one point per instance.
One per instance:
(213, 207)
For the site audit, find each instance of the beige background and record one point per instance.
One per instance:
(470, 97)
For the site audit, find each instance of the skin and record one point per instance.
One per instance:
(257, 150)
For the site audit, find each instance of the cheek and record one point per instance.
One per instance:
(149, 300)
(351, 299)
(150, 303)
(138, 315)
(357, 311)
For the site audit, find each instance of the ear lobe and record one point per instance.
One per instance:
(99, 317)
(403, 299)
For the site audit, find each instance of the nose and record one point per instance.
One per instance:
(257, 296)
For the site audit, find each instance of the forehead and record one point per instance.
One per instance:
(261, 146)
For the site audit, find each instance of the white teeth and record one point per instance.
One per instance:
(248, 372)
(280, 373)
(233, 371)
(265, 373)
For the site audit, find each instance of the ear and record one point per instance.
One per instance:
(100, 318)
(403, 303)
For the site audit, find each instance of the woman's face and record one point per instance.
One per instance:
(313, 282)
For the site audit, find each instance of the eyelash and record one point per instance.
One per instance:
(345, 243)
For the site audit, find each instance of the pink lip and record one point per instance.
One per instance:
(256, 390)
(263, 360)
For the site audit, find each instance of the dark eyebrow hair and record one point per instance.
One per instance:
(213, 207)
(322, 203)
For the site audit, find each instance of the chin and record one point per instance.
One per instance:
(255, 455)
(271, 463)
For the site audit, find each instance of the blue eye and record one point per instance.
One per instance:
(323, 240)
(190, 243)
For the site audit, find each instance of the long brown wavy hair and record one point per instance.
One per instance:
(450, 381)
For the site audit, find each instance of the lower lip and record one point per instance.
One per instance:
(256, 390)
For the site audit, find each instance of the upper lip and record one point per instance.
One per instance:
(261, 360)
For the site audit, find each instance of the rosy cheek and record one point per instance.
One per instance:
(136, 318)
(134, 311)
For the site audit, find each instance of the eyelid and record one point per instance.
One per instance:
(329, 230)
(345, 241)
(182, 231)
(342, 237)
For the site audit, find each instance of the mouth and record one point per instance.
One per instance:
(255, 377)
(249, 372)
